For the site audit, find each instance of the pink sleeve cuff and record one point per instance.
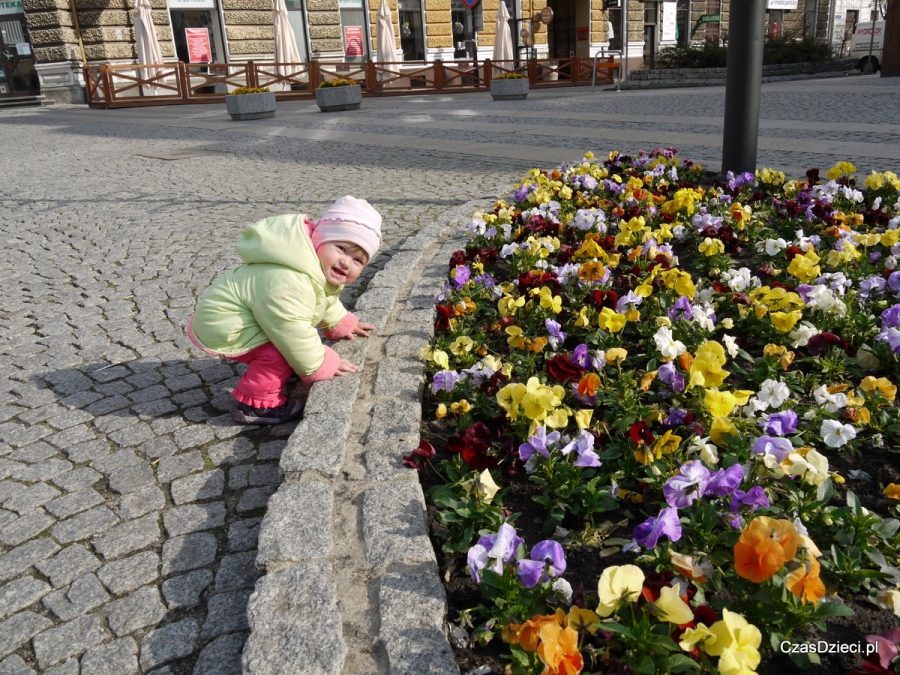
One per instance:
(343, 328)
(327, 370)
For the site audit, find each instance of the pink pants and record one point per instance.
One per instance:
(263, 383)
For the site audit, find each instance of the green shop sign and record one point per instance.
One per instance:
(710, 18)
(10, 6)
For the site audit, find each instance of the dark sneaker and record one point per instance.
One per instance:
(246, 414)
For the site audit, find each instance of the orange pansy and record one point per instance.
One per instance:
(757, 556)
(588, 384)
(804, 582)
(528, 634)
(559, 650)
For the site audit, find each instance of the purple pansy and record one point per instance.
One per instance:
(584, 446)
(539, 443)
(682, 310)
(460, 276)
(647, 534)
(669, 375)
(779, 448)
(444, 380)
(493, 551)
(725, 481)
(779, 423)
(547, 560)
(686, 486)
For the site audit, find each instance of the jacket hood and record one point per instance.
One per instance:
(284, 240)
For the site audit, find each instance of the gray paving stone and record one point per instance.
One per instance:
(15, 665)
(222, 656)
(119, 657)
(394, 526)
(158, 447)
(176, 466)
(45, 470)
(128, 574)
(17, 560)
(237, 572)
(407, 344)
(115, 462)
(77, 479)
(36, 452)
(79, 597)
(67, 565)
(294, 618)
(400, 378)
(197, 487)
(333, 396)
(239, 476)
(188, 552)
(9, 489)
(129, 536)
(233, 451)
(87, 451)
(75, 502)
(84, 525)
(271, 450)
(137, 610)
(192, 436)
(21, 593)
(254, 499)
(71, 436)
(19, 629)
(23, 528)
(133, 435)
(31, 497)
(297, 524)
(193, 518)
(385, 463)
(8, 466)
(244, 534)
(67, 667)
(319, 444)
(185, 590)
(412, 609)
(131, 478)
(265, 474)
(226, 613)
(137, 504)
(168, 643)
(69, 639)
(395, 422)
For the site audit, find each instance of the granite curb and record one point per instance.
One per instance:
(345, 537)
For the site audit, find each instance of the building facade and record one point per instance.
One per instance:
(45, 43)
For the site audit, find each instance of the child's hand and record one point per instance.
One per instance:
(345, 368)
(361, 329)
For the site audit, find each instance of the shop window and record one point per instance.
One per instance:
(412, 34)
(465, 22)
(353, 30)
(17, 72)
(296, 17)
(192, 44)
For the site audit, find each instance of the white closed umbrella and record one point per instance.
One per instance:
(386, 45)
(503, 48)
(147, 45)
(286, 51)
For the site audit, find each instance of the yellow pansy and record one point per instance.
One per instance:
(805, 267)
(736, 642)
(508, 305)
(840, 169)
(722, 430)
(867, 239)
(719, 403)
(482, 487)
(784, 322)
(441, 411)
(610, 320)
(879, 385)
(583, 417)
(890, 237)
(550, 301)
(710, 247)
(691, 636)
(461, 407)
(618, 584)
(615, 355)
(670, 607)
(462, 345)
(581, 317)
(515, 339)
(706, 368)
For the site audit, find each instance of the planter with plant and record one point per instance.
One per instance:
(339, 94)
(250, 103)
(509, 87)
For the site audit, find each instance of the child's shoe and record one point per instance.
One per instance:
(246, 414)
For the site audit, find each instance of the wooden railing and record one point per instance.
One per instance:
(110, 86)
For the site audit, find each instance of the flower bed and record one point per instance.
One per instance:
(677, 397)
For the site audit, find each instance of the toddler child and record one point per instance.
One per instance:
(265, 312)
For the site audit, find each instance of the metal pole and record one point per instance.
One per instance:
(869, 67)
(746, 34)
(625, 40)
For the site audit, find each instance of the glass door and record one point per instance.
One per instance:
(296, 19)
(17, 73)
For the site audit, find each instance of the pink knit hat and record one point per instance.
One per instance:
(352, 220)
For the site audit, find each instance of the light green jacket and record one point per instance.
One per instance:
(280, 295)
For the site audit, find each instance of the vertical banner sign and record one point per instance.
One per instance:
(198, 45)
(669, 21)
(353, 40)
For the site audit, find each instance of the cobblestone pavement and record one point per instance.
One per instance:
(129, 502)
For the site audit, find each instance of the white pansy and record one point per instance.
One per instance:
(801, 334)
(835, 434)
(680, 232)
(740, 280)
(562, 589)
(812, 469)
(773, 393)
(775, 246)
(730, 345)
(667, 345)
(708, 452)
(754, 405)
(703, 316)
(831, 402)
(508, 250)
(477, 226)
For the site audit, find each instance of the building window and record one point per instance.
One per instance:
(353, 30)
(412, 34)
(296, 17)
(465, 22)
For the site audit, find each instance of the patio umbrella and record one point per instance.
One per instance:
(286, 51)
(386, 47)
(503, 49)
(147, 45)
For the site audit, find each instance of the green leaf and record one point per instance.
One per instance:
(617, 628)
(825, 490)
(826, 610)
(679, 663)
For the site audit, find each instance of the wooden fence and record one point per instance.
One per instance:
(123, 86)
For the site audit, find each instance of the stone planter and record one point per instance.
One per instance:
(333, 99)
(251, 106)
(509, 90)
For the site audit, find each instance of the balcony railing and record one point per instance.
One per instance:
(120, 86)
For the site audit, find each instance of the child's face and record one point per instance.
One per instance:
(341, 261)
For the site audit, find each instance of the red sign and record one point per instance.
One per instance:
(582, 33)
(470, 3)
(353, 40)
(198, 45)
